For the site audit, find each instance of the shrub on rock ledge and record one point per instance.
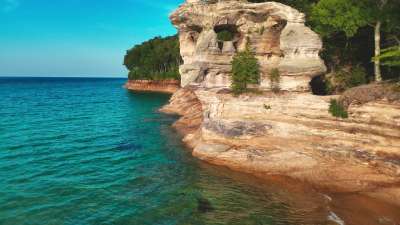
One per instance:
(336, 109)
(245, 70)
(346, 78)
(275, 79)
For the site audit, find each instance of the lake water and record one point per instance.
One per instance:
(86, 151)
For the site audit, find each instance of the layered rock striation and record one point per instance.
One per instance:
(289, 133)
(165, 86)
(275, 32)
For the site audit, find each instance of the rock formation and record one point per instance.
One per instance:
(166, 86)
(290, 133)
(275, 32)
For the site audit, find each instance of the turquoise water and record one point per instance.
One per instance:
(86, 151)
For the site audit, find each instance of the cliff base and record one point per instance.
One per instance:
(165, 86)
(292, 134)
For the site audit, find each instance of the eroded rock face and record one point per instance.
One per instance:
(165, 86)
(293, 134)
(290, 133)
(275, 32)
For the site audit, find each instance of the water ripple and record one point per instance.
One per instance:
(79, 151)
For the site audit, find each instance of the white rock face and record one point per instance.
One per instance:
(290, 133)
(275, 32)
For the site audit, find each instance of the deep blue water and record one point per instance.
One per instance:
(86, 151)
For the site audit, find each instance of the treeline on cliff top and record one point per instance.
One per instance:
(156, 59)
(361, 43)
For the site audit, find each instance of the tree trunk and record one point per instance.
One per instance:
(378, 75)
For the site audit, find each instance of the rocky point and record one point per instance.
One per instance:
(289, 133)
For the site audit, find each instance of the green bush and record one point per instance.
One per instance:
(225, 35)
(346, 78)
(336, 109)
(275, 79)
(245, 70)
(358, 77)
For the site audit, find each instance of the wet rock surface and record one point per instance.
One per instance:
(236, 128)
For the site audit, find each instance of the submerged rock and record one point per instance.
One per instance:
(204, 205)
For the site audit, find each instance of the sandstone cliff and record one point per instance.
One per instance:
(275, 32)
(290, 133)
(166, 86)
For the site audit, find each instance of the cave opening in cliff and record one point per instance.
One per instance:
(319, 86)
(225, 33)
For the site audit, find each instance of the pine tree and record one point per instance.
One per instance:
(245, 70)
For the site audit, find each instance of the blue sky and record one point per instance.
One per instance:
(76, 37)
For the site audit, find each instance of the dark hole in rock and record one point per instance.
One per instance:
(220, 45)
(279, 26)
(194, 32)
(235, 45)
(196, 28)
(318, 85)
(226, 32)
(202, 76)
(204, 205)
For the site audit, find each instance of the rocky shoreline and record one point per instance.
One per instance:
(165, 86)
(357, 155)
(286, 133)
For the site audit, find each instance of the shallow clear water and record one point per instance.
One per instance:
(86, 151)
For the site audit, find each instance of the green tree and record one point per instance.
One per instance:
(348, 16)
(389, 56)
(245, 70)
(156, 59)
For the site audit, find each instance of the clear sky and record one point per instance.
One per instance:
(76, 37)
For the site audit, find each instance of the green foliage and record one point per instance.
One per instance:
(347, 29)
(225, 35)
(346, 78)
(346, 26)
(337, 110)
(275, 79)
(331, 16)
(156, 59)
(245, 70)
(390, 56)
(348, 16)
(358, 76)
